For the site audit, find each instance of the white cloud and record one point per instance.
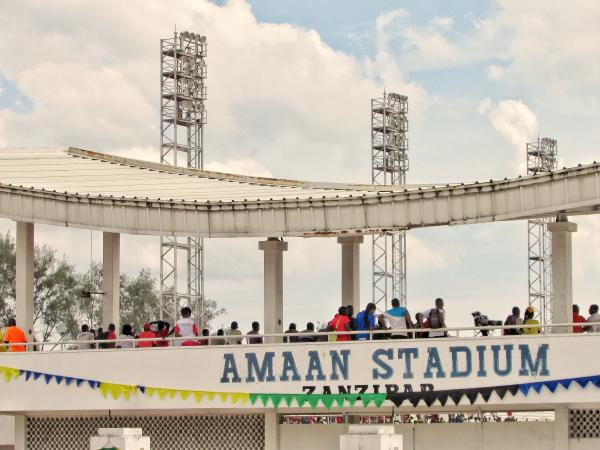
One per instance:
(495, 72)
(444, 23)
(514, 121)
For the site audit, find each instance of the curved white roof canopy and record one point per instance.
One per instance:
(78, 188)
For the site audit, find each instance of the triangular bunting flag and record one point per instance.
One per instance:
(198, 395)
(115, 390)
(351, 398)
(312, 400)
(47, 378)
(162, 393)
(366, 399)
(28, 374)
(142, 389)
(36, 375)
(455, 395)
(104, 388)
(300, 399)
(276, 400)
(210, 395)
(239, 396)
(327, 401)
(149, 391)
(184, 394)
(565, 383)
(551, 385)
(524, 388)
(68, 380)
(264, 398)
(583, 382)
(172, 393)
(443, 397)
(339, 400)
(471, 394)
(513, 389)
(224, 396)
(378, 399)
(244, 397)
(537, 387)
(58, 379)
(429, 397)
(93, 384)
(486, 393)
(501, 391)
(253, 398)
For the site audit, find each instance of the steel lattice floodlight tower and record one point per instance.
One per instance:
(182, 120)
(389, 164)
(541, 157)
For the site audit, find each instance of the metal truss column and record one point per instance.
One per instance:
(389, 164)
(541, 157)
(183, 116)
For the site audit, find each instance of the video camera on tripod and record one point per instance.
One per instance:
(481, 320)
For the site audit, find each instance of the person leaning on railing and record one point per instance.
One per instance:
(529, 320)
(14, 335)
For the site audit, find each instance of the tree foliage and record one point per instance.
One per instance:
(59, 306)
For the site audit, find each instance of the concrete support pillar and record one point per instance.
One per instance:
(111, 274)
(24, 278)
(273, 284)
(351, 270)
(20, 433)
(271, 430)
(561, 428)
(562, 271)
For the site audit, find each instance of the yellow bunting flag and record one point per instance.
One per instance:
(162, 393)
(149, 391)
(239, 396)
(115, 390)
(104, 388)
(184, 394)
(172, 393)
(9, 373)
(210, 395)
(224, 396)
(198, 395)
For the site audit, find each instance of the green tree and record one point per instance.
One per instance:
(139, 299)
(55, 286)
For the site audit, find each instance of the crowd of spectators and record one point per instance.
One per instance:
(395, 323)
(591, 324)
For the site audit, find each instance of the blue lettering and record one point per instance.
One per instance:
(314, 364)
(434, 362)
(289, 365)
(337, 363)
(387, 371)
(541, 359)
(229, 368)
(481, 355)
(467, 370)
(507, 357)
(264, 372)
(407, 354)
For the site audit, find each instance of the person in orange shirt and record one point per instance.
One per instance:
(14, 335)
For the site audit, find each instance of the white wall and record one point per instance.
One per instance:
(7, 430)
(447, 436)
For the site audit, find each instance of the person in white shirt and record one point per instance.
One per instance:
(85, 335)
(127, 336)
(594, 317)
(186, 327)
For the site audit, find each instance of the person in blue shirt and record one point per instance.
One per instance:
(365, 321)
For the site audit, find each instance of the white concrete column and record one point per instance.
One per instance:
(20, 433)
(273, 284)
(271, 430)
(24, 277)
(111, 274)
(562, 271)
(351, 270)
(561, 428)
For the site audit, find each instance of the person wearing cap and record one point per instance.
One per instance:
(529, 320)
(146, 334)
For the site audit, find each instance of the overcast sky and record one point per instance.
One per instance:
(289, 89)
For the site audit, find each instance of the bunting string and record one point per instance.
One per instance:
(275, 400)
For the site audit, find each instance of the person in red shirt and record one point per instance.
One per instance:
(146, 334)
(162, 331)
(340, 322)
(14, 335)
(111, 334)
(577, 319)
(205, 333)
